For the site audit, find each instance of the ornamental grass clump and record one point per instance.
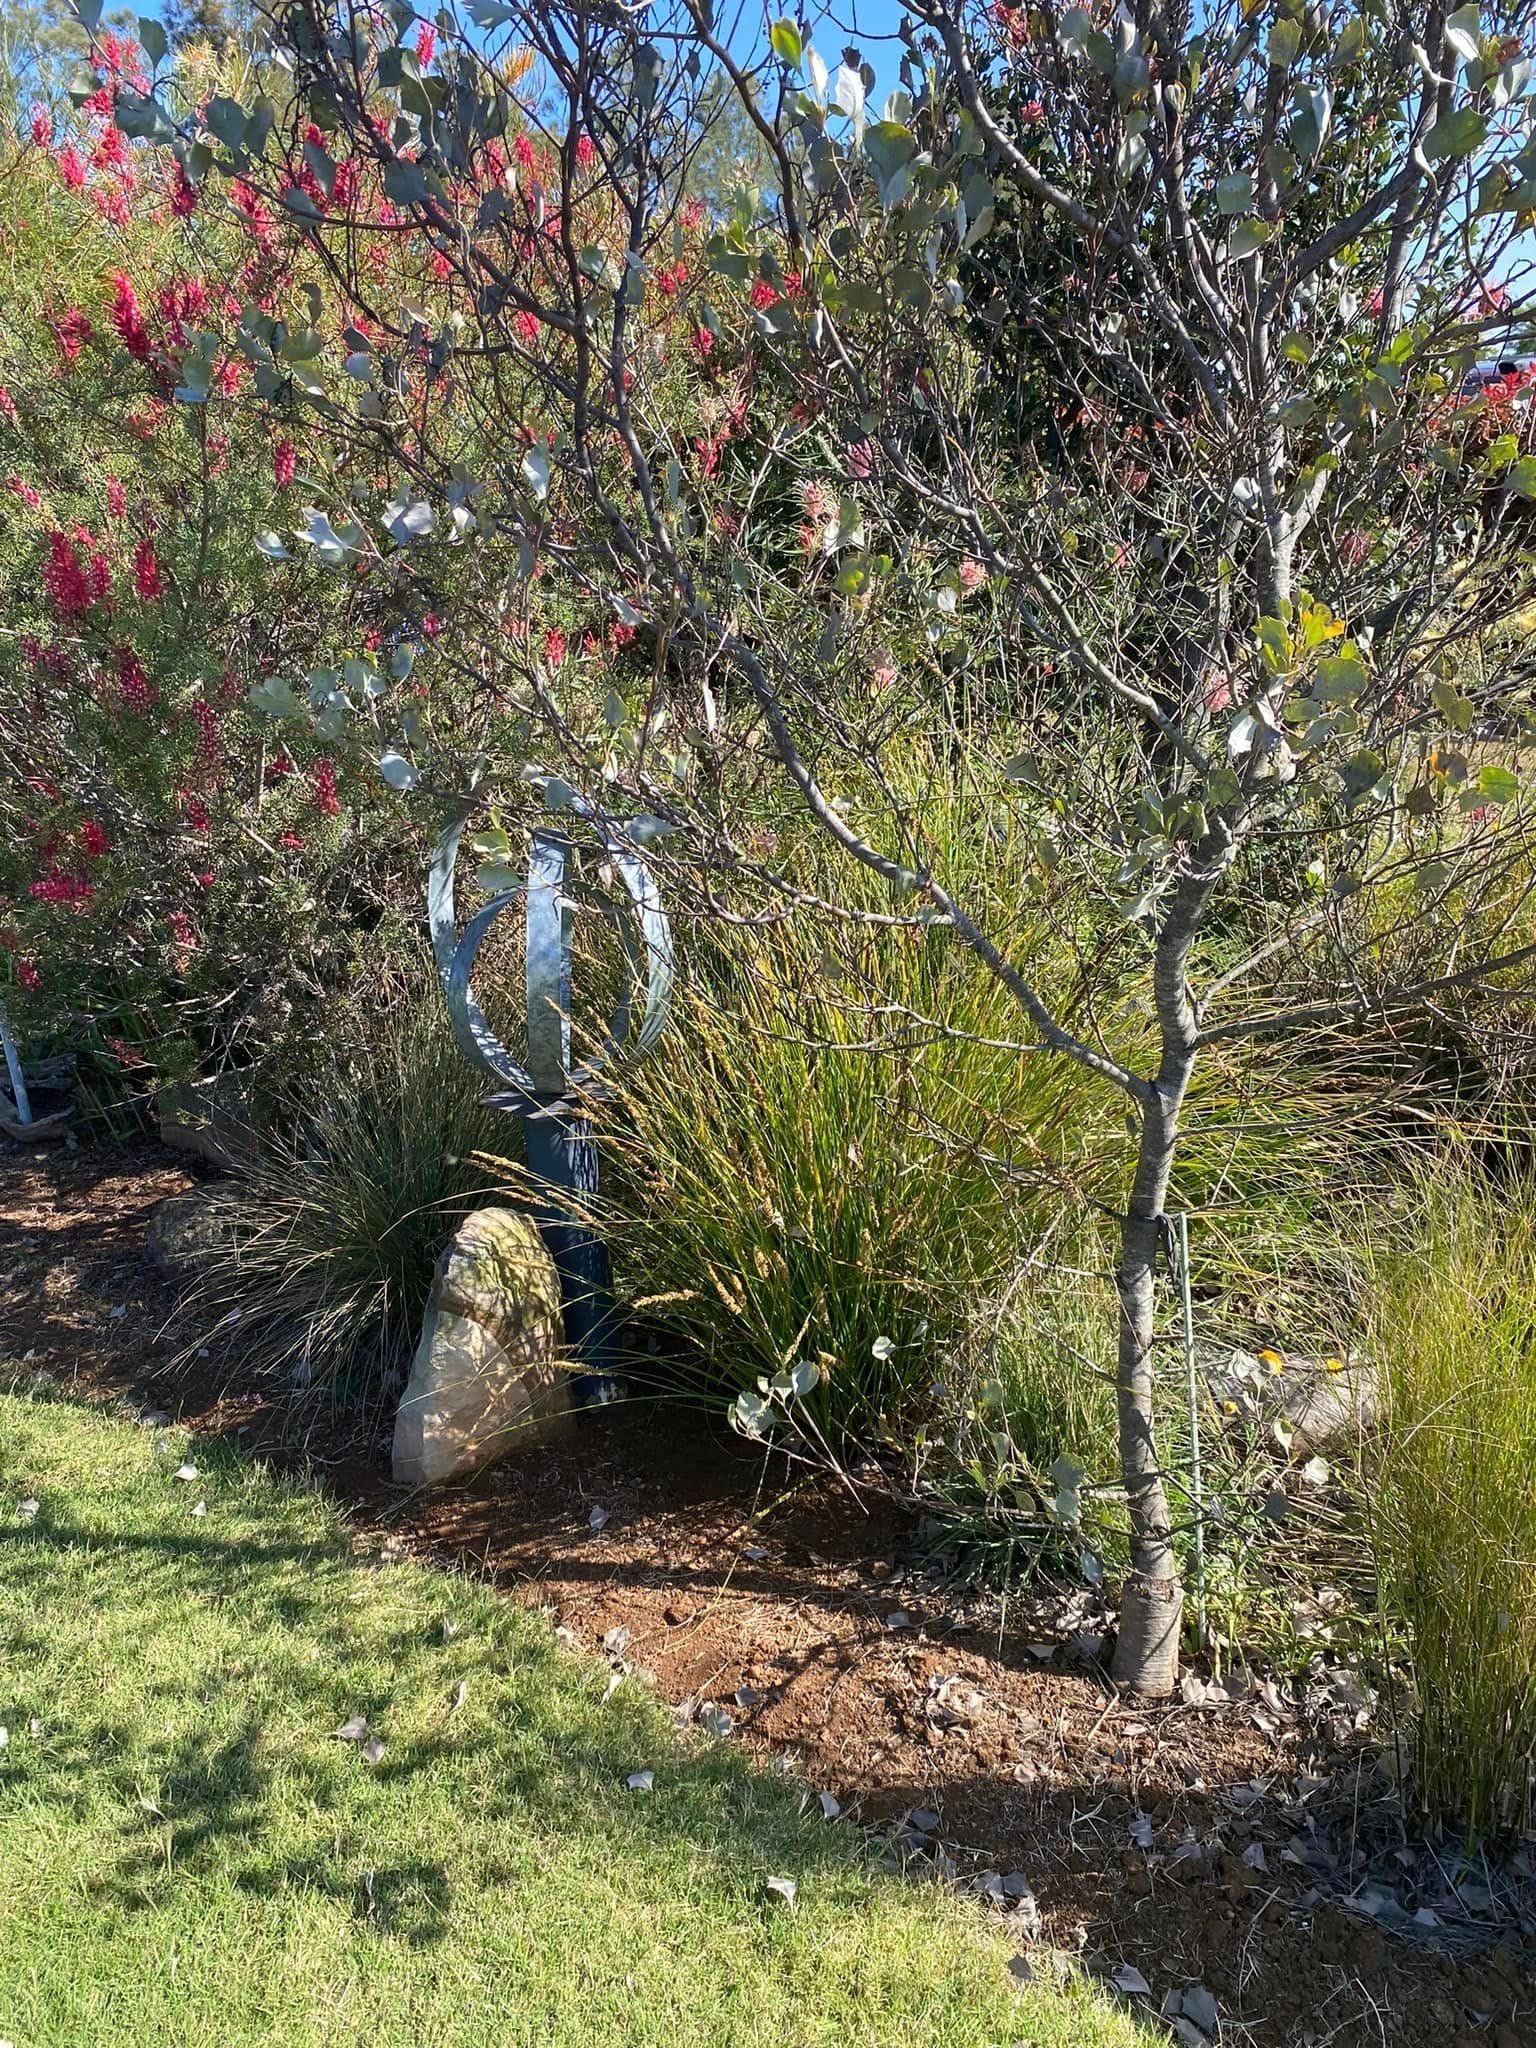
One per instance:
(1452, 1499)
(809, 1174)
(322, 1248)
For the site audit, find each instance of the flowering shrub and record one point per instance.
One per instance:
(173, 865)
(198, 829)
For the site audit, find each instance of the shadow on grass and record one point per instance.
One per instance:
(278, 1816)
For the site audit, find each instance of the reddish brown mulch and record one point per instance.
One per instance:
(1205, 1844)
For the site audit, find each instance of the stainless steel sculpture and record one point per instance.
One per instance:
(548, 1092)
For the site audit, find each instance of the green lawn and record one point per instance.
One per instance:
(189, 1854)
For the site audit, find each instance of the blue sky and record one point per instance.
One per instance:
(833, 24)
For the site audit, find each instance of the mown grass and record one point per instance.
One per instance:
(191, 1854)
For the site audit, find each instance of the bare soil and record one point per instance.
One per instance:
(1248, 1842)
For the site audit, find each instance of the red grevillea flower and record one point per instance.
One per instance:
(127, 317)
(93, 839)
(346, 183)
(72, 331)
(28, 975)
(586, 152)
(764, 295)
(71, 167)
(204, 879)
(431, 625)
(426, 44)
(554, 646)
(41, 127)
(291, 842)
(65, 583)
(522, 149)
(527, 327)
(111, 152)
(29, 496)
(326, 800)
(8, 408)
(148, 580)
(210, 752)
(703, 343)
(117, 499)
(196, 811)
(113, 207)
(59, 889)
(133, 680)
(183, 193)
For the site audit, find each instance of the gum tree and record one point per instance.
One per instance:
(1106, 405)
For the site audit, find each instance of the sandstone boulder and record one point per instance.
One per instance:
(182, 1231)
(489, 1375)
(209, 1119)
(1331, 1404)
(1320, 1403)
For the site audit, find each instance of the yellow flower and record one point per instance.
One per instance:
(1273, 1360)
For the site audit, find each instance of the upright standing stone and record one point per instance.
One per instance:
(489, 1375)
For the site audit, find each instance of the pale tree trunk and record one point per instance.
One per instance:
(1152, 1605)
(1152, 1602)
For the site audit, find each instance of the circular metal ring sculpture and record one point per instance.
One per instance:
(548, 1092)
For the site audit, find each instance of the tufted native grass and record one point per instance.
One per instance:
(1450, 1497)
(323, 1242)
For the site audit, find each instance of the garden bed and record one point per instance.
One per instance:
(1234, 1840)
